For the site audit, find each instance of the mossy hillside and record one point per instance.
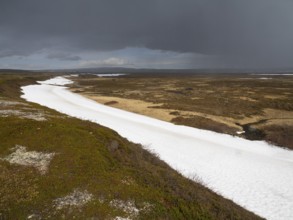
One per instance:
(83, 161)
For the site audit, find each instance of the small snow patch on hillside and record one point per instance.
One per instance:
(35, 159)
(77, 198)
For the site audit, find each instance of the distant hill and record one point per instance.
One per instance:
(13, 70)
(163, 71)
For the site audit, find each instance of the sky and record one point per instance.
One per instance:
(167, 34)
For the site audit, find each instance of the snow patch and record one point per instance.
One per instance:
(77, 199)
(57, 81)
(73, 75)
(21, 156)
(253, 174)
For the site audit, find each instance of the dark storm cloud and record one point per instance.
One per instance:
(252, 32)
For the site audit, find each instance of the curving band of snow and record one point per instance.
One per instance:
(253, 174)
(58, 81)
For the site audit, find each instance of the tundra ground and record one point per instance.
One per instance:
(65, 168)
(252, 106)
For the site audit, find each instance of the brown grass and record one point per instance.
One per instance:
(280, 135)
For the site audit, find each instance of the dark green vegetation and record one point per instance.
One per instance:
(258, 104)
(95, 159)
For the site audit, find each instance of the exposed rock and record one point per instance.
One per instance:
(113, 146)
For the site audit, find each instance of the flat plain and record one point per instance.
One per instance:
(255, 107)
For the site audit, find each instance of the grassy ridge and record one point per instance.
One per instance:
(96, 159)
